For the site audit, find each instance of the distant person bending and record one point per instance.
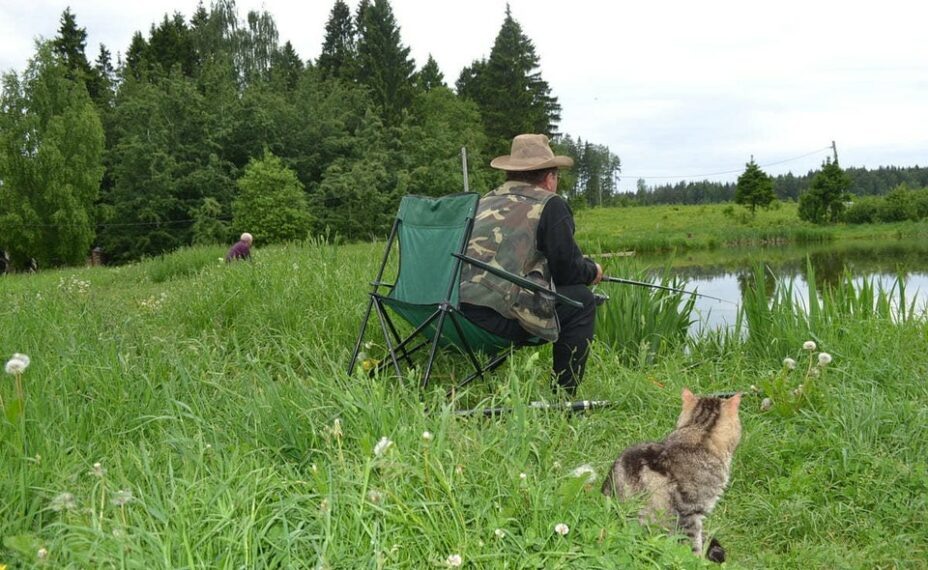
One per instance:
(241, 249)
(527, 229)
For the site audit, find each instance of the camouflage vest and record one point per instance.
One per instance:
(504, 235)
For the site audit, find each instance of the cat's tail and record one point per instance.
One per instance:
(715, 553)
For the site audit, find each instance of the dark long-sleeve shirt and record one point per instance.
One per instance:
(555, 239)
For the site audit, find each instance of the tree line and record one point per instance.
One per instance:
(863, 182)
(210, 126)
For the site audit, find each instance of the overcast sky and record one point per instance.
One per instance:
(676, 89)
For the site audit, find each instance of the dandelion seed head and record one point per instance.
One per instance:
(121, 498)
(824, 359)
(16, 366)
(766, 404)
(562, 529)
(789, 363)
(808, 345)
(382, 446)
(375, 496)
(585, 471)
(454, 560)
(63, 502)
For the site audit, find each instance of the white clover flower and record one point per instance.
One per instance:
(63, 502)
(500, 533)
(808, 345)
(824, 359)
(454, 560)
(556, 465)
(523, 476)
(789, 363)
(382, 446)
(42, 554)
(98, 470)
(426, 436)
(562, 529)
(585, 471)
(121, 498)
(766, 404)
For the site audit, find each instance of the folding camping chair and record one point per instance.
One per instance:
(432, 235)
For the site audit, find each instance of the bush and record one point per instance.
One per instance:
(863, 210)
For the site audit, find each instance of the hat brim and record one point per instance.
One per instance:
(507, 162)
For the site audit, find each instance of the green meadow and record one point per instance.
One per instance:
(185, 413)
(718, 226)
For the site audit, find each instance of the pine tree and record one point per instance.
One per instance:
(51, 146)
(754, 188)
(430, 77)
(824, 201)
(384, 65)
(508, 87)
(339, 50)
(286, 68)
(69, 45)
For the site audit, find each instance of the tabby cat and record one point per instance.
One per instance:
(682, 477)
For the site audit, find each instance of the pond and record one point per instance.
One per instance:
(726, 273)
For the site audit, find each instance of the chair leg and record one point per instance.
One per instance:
(490, 367)
(357, 345)
(386, 337)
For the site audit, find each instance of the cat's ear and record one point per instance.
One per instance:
(734, 401)
(688, 397)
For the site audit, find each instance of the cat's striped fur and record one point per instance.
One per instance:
(682, 477)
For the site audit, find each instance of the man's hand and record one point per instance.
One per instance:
(599, 274)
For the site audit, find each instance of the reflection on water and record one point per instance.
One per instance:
(732, 274)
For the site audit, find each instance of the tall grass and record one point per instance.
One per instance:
(209, 395)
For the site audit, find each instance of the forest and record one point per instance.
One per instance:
(210, 126)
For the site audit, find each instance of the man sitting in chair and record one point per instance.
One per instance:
(525, 228)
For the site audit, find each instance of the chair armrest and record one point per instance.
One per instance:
(520, 281)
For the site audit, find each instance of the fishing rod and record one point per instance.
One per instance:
(663, 287)
(566, 406)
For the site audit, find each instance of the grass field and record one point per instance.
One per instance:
(181, 413)
(714, 226)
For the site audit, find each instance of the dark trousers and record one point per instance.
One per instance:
(573, 344)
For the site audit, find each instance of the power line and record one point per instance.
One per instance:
(736, 171)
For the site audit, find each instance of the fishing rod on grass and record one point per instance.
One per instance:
(608, 279)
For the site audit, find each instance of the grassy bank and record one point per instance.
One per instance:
(712, 226)
(227, 433)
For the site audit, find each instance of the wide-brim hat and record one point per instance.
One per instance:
(530, 152)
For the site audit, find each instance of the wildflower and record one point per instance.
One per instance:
(42, 554)
(459, 470)
(500, 533)
(63, 502)
(17, 364)
(556, 465)
(98, 470)
(523, 476)
(382, 446)
(337, 428)
(426, 436)
(754, 388)
(766, 404)
(824, 359)
(121, 498)
(562, 529)
(808, 345)
(789, 363)
(454, 560)
(585, 471)
(324, 506)
(374, 496)
(314, 468)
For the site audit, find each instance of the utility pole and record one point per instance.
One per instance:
(834, 150)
